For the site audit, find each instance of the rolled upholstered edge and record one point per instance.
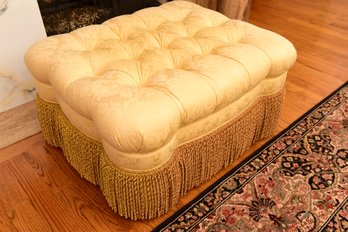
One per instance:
(151, 193)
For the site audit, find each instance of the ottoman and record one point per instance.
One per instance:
(147, 106)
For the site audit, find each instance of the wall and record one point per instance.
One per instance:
(20, 26)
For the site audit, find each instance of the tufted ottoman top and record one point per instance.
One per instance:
(144, 83)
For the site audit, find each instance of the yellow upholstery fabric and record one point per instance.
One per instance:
(142, 84)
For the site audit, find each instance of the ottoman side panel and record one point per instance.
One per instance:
(151, 193)
(132, 194)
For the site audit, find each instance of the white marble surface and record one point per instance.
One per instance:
(20, 26)
(3, 6)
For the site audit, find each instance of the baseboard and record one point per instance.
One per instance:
(18, 123)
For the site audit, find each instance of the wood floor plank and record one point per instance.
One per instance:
(25, 217)
(34, 173)
(85, 204)
(11, 191)
(38, 185)
(315, 81)
(6, 224)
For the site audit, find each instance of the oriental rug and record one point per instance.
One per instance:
(296, 182)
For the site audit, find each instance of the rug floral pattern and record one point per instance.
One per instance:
(297, 183)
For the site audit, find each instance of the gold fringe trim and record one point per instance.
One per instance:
(148, 194)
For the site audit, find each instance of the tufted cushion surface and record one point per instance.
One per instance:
(144, 83)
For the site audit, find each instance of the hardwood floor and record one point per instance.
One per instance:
(39, 191)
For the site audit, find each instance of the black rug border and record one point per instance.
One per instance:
(249, 158)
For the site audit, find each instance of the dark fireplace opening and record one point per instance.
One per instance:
(62, 16)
